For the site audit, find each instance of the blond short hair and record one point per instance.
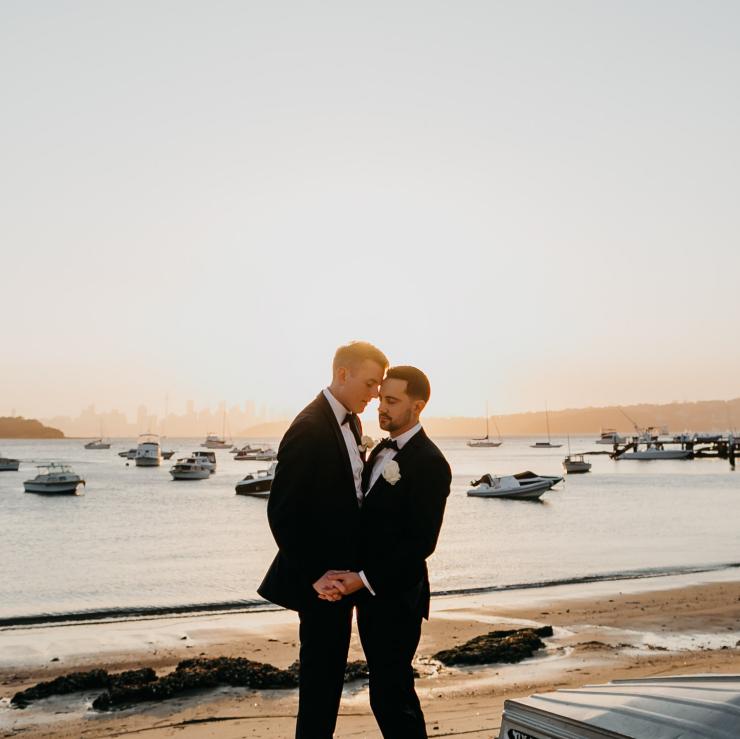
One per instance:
(352, 354)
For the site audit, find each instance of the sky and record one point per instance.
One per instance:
(534, 202)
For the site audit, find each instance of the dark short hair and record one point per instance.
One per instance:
(350, 355)
(417, 383)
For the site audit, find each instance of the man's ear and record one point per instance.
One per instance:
(419, 406)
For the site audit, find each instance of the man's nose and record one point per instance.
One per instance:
(376, 392)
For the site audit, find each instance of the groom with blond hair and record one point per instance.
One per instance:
(314, 515)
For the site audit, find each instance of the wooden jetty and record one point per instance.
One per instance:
(697, 447)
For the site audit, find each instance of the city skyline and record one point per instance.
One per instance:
(248, 419)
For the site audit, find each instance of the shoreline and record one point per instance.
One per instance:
(117, 615)
(604, 630)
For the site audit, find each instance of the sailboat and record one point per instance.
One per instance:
(486, 441)
(546, 444)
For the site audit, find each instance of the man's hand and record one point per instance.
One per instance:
(327, 588)
(346, 582)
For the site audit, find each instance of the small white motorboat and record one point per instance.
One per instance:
(148, 453)
(686, 706)
(575, 463)
(97, 444)
(9, 465)
(54, 479)
(266, 455)
(653, 453)
(257, 483)
(256, 454)
(522, 486)
(207, 459)
(190, 469)
(246, 449)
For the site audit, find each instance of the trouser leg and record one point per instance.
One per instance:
(390, 631)
(324, 633)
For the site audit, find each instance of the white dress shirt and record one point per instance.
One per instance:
(353, 450)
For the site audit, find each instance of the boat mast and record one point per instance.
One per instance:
(486, 420)
(547, 421)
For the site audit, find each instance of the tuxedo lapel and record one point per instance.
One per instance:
(331, 419)
(367, 470)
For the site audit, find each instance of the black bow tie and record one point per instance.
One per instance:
(354, 426)
(388, 444)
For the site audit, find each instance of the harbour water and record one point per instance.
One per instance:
(137, 540)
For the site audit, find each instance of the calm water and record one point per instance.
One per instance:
(136, 538)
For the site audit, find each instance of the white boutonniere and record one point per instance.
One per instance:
(366, 443)
(392, 472)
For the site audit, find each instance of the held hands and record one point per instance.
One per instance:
(335, 584)
(326, 587)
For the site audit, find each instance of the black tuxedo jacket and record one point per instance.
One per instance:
(312, 509)
(400, 523)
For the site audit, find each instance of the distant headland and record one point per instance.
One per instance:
(26, 428)
(706, 415)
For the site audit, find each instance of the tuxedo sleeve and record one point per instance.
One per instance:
(293, 476)
(398, 564)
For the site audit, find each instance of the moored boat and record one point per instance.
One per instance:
(654, 453)
(256, 454)
(207, 459)
(522, 486)
(214, 441)
(575, 463)
(257, 483)
(486, 441)
(9, 465)
(97, 444)
(54, 479)
(189, 469)
(148, 453)
(546, 444)
(266, 455)
(611, 437)
(246, 449)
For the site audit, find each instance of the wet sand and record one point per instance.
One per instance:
(603, 631)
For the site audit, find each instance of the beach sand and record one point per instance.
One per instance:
(603, 631)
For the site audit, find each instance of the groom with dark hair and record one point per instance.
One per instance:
(406, 482)
(314, 515)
